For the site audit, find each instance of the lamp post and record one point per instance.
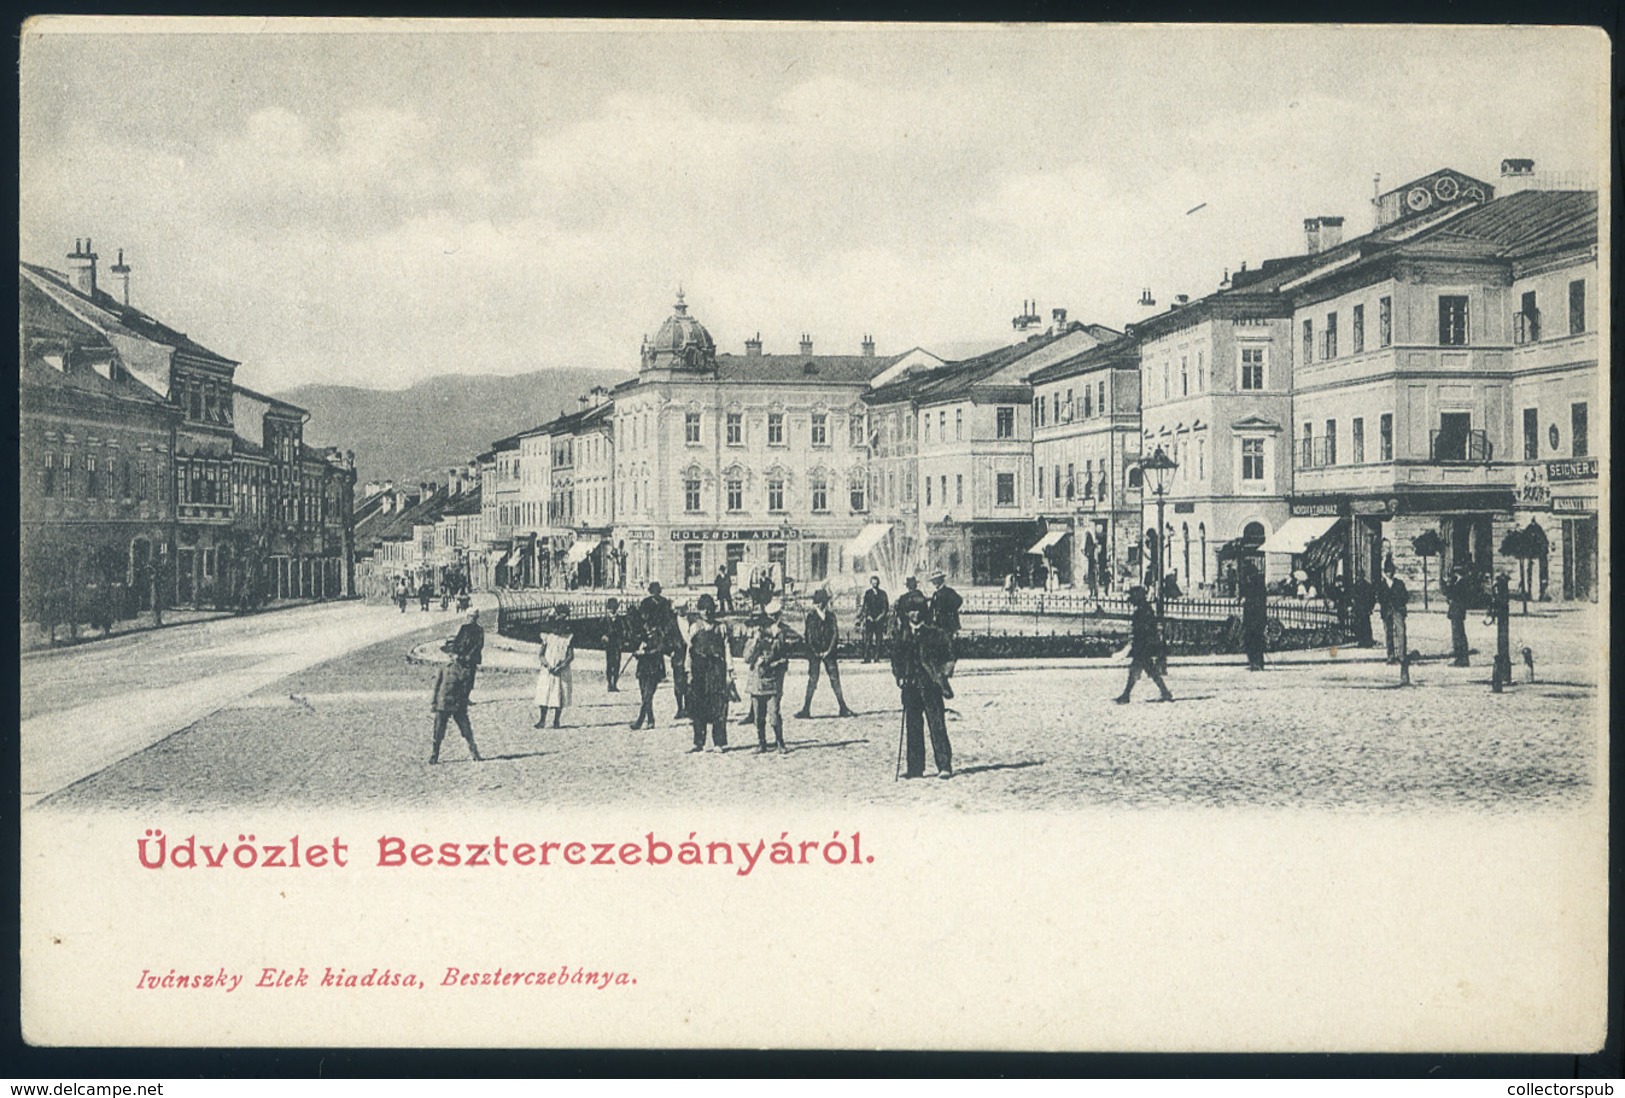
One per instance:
(1160, 465)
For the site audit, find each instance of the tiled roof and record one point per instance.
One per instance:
(131, 318)
(1117, 352)
(43, 319)
(801, 369)
(277, 403)
(1527, 223)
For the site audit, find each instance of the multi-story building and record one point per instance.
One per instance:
(585, 499)
(231, 494)
(1086, 477)
(1215, 385)
(743, 462)
(500, 513)
(1445, 377)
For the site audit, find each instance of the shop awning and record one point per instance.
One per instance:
(1297, 534)
(1048, 540)
(578, 551)
(869, 537)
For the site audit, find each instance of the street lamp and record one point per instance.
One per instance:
(1160, 465)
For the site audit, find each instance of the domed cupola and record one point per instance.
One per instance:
(681, 344)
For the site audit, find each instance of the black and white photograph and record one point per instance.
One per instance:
(654, 534)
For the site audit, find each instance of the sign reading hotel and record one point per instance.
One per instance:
(769, 534)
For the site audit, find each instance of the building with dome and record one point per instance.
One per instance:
(740, 461)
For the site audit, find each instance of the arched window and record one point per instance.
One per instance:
(1201, 533)
(1185, 531)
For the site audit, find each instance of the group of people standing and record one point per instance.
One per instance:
(454, 587)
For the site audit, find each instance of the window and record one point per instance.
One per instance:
(1531, 434)
(1071, 480)
(1385, 437)
(50, 474)
(959, 488)
(1088, 404)
(1452, 320)
(1088, 491)
(1055, 398)
(775, 493)
(1057, 481)
(1331, 442)
(1579, 441)
(208, 563)
(691, 428)
(959, 422)
(775, 428)
(944, 486)
(1071, 408)
(691, 494)
(1357, 329)
(1252, 460)
(928, 491)
(942, 426)
(1329, 347)
(693, 564)
(820, 560)
(1005, 423)
(1038, 411)
(1385, 321)
(820, 429)
(820, 495)
(735, 494)
(1577, 306)
(1526, 322)
(857, 433)
(1005, 489)
(1201, 373)
(1184, 375)
(92, 479)
(1100, 403)
(1039, 483)
(1357, 441)
(1165, 390)
(736, 428)
(1252, 368)
(1308, 341)
(1308, 455)
(857, 489)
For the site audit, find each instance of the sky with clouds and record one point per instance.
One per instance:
(375, 208)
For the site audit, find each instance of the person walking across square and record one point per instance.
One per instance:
(1145, 647)
(822, 634)
(767, 655)
(455, 682)
(650, 655)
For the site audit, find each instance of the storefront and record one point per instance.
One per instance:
(1575, 499)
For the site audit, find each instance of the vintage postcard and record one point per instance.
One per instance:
(661, 535)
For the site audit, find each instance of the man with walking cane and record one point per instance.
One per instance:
(920, 659)
(1145, 647)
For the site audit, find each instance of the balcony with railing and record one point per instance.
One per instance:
(1447, 446)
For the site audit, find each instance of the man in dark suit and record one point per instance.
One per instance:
(919, 661)
(616, 635)
(822, 634)
(945, 604)
(876, 606)
(455, 682)
(911, 597)
(1145, 647)
(725, 590)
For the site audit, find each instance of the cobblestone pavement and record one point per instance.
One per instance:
(1319, 729)
(85, 708)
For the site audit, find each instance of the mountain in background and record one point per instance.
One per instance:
(416, 434)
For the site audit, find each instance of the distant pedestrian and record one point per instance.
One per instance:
(1456, 593)
(1170, 587)
(1399, 597)
(1500, 616)
(445, 597)
(1362, 600)
(821, 633)
(555, 683)
(1383, 586)
(1145, 647)
(911, 597)
(617, 634)
(1254, 616)
(1009, 588)
(425, 594)
(725, 590)
(708, 681)
(650, 655)
(402, 594)
(945, 604)
(463, 599)
(876, 608)
(766, 655)
(456, 682)
(921, 657)
(677, 652)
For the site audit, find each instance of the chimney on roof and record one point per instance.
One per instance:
(82, 267)
(806, 343)
(753, 347)
(1322, 234)
(1059, 317)
(121, 276)
(868, 346)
